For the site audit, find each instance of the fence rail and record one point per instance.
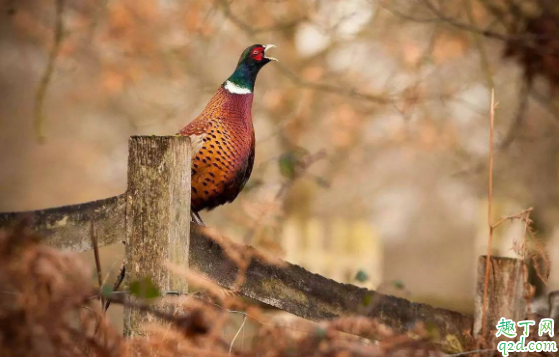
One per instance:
(153, 218)
(68, 227)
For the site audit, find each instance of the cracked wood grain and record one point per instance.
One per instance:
(157, 216)
(506, 297)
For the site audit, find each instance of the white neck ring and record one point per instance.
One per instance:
(236, 89)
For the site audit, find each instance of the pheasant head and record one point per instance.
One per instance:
(251, 61)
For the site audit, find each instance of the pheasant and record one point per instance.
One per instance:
(222, 136)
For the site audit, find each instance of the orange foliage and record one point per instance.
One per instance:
(133, 25)
(112, 82)
(345, 123)
(412, 53)
(449, 47)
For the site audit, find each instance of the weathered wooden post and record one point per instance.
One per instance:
(505, 296)
(157, 215)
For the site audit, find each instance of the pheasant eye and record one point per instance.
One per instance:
(257, 54)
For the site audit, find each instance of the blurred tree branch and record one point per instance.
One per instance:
(468, 27)
(532, 44)
(324, 87)
(441, 16)
(479, 44)
(47, 74)
(516, 125)
(252, 31)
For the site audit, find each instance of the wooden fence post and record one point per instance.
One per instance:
(157, 215)
(505, 297)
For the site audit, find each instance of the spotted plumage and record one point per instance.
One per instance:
(223, 144)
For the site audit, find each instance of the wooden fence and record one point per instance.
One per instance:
(153, 219)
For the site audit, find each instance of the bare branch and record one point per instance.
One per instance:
(97, 261)
(524, 40)
(237, 334)
(463, 26)
(47, 74)
(489, 212)
(348, 92)
(117, 283)
(516, 125)
(479, 44)
(257, 30)
(523, 216)
(546, 103)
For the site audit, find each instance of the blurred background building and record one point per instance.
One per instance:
(372, 130)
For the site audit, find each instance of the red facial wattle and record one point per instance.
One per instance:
(257, 53)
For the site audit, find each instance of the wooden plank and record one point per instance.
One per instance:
(505, 298)
(69, 227)
(157, 216)
(293, 289)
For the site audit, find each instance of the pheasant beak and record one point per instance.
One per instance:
(266, 48)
